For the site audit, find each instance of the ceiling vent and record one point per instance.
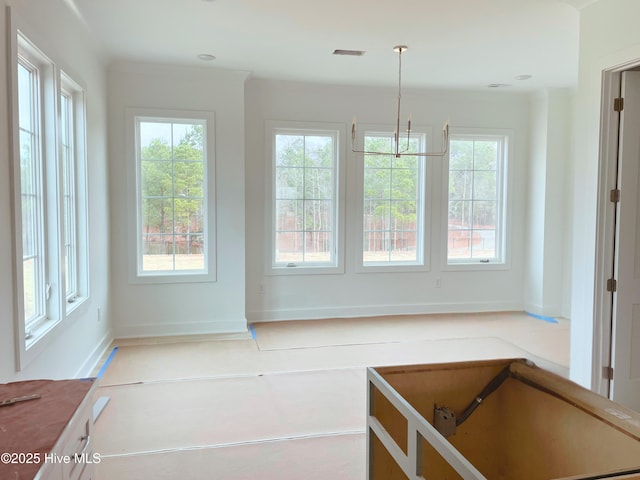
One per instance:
(353, 53)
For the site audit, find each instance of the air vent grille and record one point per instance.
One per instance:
(353, 53)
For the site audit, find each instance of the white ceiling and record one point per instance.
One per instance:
(461, 44)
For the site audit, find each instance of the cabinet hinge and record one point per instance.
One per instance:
(618, 104)
(612, 285)
(607, 373)
(614, 195)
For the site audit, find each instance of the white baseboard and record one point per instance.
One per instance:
(185, 328)
(96, 355)
(379, 310)
(552, 311)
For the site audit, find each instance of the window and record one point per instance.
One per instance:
(393, 202)
(34, 251)
(49, 194)
(304, 199)
(174, 218)
(74, 196)
(68, 193)
(476, 198)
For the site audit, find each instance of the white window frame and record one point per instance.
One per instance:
(337, 131)
(67, 158)
(422, 262)
(136, 274)
(76, 270)
(503, 224)
(39, 68)
(35, 335)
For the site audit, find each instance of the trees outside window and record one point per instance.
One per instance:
(393, 202)
(304, 197)
(476, 198)
(172, 196)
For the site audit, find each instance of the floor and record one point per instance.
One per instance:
(286, 400)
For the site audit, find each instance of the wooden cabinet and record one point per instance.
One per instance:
(49, 438)
(501, 419)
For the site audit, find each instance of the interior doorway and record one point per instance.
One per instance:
(616, 370)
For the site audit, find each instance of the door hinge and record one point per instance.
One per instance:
(607, 373)
(612, 285)
(618, 104)
(614, 195)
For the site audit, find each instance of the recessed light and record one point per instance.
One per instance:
(205, 57)
(523, 77)
(498, 85)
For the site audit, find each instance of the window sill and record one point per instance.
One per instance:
(476, 265)
(75, 303)
(392, 268)
(305, 270)
(169, 278)
(41, 338)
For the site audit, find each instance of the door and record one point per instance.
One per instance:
(626, 301)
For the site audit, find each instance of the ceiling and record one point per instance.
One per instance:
(453, 44)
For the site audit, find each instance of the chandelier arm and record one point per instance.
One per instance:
(397, 133)
(405, 153)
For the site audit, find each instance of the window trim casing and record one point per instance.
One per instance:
(58, 315)
(505, 234)
(425, 198)
(133, 197)
(272, 127)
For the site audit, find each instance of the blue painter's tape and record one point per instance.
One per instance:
(542, 317)
(253, 331)
(106, 364)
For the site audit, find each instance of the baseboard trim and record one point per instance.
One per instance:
(379, 310)
(186, 328)
(89, 365)
(553, 311)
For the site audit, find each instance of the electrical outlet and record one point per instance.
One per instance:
(438, 283)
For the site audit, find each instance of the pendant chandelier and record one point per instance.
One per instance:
(396, 135)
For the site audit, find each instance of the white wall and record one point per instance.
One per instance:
(609, 36)
(142, 310)
(356, 294)
(177, 309)
(534, 216)
(547, 207)
(76, 349)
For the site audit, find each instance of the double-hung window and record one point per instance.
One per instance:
(305, 197)
(476, 226)
(393, 199)
(49, 195)
(173, 218)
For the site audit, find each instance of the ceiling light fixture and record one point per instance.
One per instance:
(396, 135)
(206, 57)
